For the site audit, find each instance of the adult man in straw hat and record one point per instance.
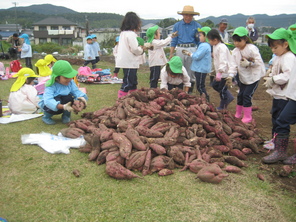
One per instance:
(187, 39)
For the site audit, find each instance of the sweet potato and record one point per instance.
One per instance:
(211, 174)
(117, 171)
(160, 150)
(247, 151)
(124, 144)
(237, 153)
(165, 141)
(232, 169)
(176, 154)
(161, 162)
(165, 172)
(93, 155)
(136, 160)
(115, 156)
(147, 163)
(145, 131)
(134, 137)
(235, 161)
(108, 144)
(196, 165)
(222, 148)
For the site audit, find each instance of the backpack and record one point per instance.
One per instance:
(15, 66)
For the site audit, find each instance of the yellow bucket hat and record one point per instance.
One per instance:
(22, 76)
(49, 58)
(44, 70)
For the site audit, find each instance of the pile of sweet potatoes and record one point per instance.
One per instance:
(153, 130)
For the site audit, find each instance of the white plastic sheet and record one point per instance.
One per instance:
(18, 117)
(53, 143)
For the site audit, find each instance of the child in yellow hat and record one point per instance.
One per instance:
(61, 94)
(174, 75)
(23, 97)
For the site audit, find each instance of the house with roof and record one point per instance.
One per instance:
(57, 30)
(7, 30)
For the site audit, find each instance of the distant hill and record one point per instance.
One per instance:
(26, 16)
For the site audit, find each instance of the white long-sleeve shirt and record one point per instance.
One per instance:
(156, 57)
(290, 91)
(165, 78)
(128, 51)
(254, 72)
(23, 101)
(281, 73)
(223, 61)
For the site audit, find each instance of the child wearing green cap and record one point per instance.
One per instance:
(129, 52)
(23, 97)
(174, 75)
(61, 95)
(281, 43)
(224, 65)
(250, 68)
(201, 61)
(156, 55)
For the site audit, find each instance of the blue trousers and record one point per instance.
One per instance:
(277, 107)
(221, 88)
(154, 76)
(63, 100)
(286, 118)
(180, 86)
(130, 80)
(200, 82)
(246, 92)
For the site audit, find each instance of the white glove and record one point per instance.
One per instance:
(68, 107)
(185, 52)
(268, 82)
(83, 100)
(229, 81)
(244, 63)
(174, 34)
(268, 72)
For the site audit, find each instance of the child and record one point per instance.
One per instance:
(174, 75)
(23, 97)
(282, 64)
(43, 70)
(156, 55)
(129, 52)
(116, 70)
(201, 61)
(224, 65)
(96, 47)
(89, 53)
(50, 60)
(60, 92)
(26, 50)
(250, 68)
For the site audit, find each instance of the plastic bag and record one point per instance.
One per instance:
(53, 144)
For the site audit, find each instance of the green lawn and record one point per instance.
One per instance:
(38, 186)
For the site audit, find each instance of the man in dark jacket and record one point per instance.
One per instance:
(15, 42)
(253, 33)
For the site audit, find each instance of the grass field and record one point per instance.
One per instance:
(38, 186)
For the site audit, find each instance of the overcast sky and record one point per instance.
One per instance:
(160, 9)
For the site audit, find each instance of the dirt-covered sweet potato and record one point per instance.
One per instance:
(165, 172)
(136, 160)
(145, 131)
(159, 149)
(211, 174)
(234, 161)
(117, 171)
(161, 162)
(134, 137)
(232, 169)
(176, 154)
(124, 144)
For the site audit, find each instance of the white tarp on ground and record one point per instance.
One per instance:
(18, 117)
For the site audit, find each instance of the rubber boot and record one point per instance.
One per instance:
(121, 93)
(66, 116)
(223, 104)
(247, 115)
(239, 111)
(211, 80)
(290, 160)
(46, 118)
(280, 150)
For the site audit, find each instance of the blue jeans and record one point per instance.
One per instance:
(286, 118)
(130, 80)
(246, 92)
(200, 82)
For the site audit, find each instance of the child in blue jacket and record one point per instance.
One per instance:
(26, 50)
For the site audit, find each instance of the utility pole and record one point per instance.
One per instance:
(15, 3)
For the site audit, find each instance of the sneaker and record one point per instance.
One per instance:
(269, 146)
(268, 141)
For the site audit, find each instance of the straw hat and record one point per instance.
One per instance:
(188, 9)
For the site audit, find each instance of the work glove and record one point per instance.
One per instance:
(268, 82)
(268, 72)
(185, 52)
(68, 107)
(174, 34)
(229, 82)
(218, 76)
(72, 132)
(244, 63)
(148, 45)
(83, 100)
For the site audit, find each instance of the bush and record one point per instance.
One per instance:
(265, 52)
(48, 48)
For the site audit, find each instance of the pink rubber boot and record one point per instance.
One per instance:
(121, 93)
(247, 115)
(239, 111)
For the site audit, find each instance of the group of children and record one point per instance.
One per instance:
(244, 63)
(92, 51)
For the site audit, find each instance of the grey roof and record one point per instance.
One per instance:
(55, 21)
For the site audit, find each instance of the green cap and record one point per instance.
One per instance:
(61, 68)
(151, 32)
(241, 31)
(176, 64)
(204, 29)
(280, 33)
(140, 41)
